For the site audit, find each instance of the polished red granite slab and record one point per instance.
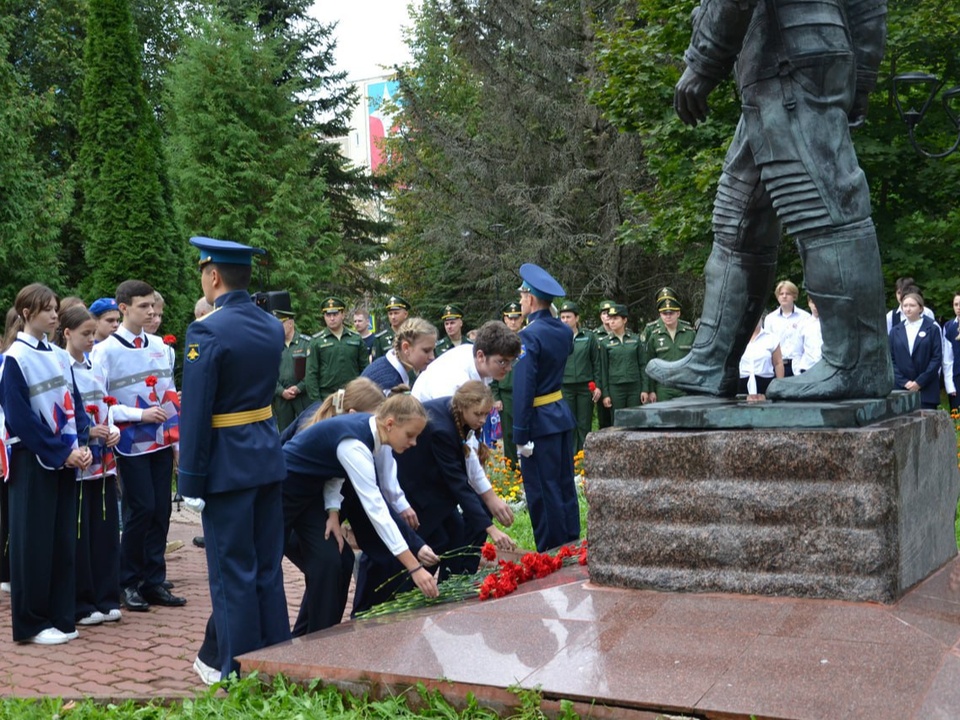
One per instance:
(633, 652)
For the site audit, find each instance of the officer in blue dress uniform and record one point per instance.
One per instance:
(230, 455)
(542, 421)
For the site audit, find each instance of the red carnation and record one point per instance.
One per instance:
(109, 400)
(94, 412)
(169, 339)
(150, 381)
(489, 552)
(591, 386)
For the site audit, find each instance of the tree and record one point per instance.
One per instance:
(33, 206)
(127, 216)
(241, 160)
(45, 46)
(324, 103)
(502, 159)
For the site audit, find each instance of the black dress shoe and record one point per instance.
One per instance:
(199, 541)
(159, 595)
(167, 584)
(133, 600)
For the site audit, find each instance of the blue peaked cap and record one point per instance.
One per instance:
(539, 283)
(101, 305)
(225, 251)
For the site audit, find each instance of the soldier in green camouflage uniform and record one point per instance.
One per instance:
(621, 360)
(290, 398)
(604, 416)
(503, 389)
(452, 319)
(398, 310)
(667, 338)
(582, 369)
(337, 354)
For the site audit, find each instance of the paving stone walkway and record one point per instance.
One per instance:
(145, 655)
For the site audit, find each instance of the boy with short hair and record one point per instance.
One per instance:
(135, 369)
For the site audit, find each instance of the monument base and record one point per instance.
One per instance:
(857, 513)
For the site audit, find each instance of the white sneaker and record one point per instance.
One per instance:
(71, 635)
(5, 586)
(112, 615)
(94, 618)
(50, 636)
(207, 674)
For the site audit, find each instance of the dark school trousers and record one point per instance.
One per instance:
(146, 481)
(43, 545)
(98, 546)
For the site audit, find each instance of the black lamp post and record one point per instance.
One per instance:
(912, 117)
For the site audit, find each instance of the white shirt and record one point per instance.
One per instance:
(787, 329)
(441, 379)
(757, 358)
(912, 329)
(363, 468)
(811, 340)
(398, 366)
(447, 373)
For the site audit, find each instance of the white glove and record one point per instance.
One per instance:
(195, 504)
(525, 450)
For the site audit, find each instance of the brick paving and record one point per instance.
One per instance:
(144, 656)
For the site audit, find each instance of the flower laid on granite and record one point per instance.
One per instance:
(509, 575)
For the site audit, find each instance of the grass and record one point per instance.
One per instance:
(250, 697)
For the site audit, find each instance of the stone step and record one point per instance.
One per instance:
(813, 585)
(775, 502)
(731, 547)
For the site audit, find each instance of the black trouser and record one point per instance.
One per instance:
(326, 568)
(98, 546)
(43, 544)
(4, 531)
(146, 516)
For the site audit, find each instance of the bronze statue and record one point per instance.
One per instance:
(804, 69)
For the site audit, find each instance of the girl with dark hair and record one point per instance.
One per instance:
(98, 537)
(44, 417)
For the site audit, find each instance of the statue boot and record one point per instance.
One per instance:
(842, 271)
(737, 285)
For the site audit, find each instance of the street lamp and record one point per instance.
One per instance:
(912, 117)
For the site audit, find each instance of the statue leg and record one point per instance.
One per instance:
(842, 272)
(739, 277)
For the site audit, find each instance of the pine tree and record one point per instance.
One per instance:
(127, 217)
(33, 206)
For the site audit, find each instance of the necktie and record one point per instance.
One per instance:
(138, 342)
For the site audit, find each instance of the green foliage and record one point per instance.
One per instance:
(281, 700)
(32, 205)
(501, 159)
(127, 216)
(241, 161)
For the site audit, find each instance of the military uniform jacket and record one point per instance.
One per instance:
(620, 360)
(382, 342)
(583, 364)
(287, 410)
(447, 344)
(658, 345)
(538, 372)
(334, 362)
(231, 365)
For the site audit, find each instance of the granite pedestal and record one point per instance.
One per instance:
(851, 513)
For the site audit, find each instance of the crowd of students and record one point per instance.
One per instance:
(87, 398)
